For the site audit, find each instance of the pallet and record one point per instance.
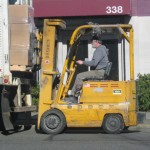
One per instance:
(19, 68)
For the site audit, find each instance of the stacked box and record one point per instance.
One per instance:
(22, 29)
(21, 14)
(20, 52)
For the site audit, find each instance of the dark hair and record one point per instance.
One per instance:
(98, 38)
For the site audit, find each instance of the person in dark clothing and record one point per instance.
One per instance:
(99, 62)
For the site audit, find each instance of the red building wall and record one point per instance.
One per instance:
(53, 8)
(140, 7)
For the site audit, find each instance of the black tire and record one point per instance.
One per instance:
(113, 124)
(53, 122)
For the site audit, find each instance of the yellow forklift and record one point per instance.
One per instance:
(102, 103)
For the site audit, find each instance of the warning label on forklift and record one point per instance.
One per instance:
(117, 91)
(46, 61)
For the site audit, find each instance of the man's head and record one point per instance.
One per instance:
(96, 41)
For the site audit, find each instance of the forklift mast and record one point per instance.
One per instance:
(48, 71)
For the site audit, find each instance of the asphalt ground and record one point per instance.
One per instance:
(76, 139)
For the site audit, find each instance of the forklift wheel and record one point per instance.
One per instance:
(53, 122)
(113, 124)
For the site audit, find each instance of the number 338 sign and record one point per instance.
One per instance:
(114, 9)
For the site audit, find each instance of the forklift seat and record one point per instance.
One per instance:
(107, 71)
(106, 74)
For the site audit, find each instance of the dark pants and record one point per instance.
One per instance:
(81, 76)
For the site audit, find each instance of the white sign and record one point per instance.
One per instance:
(117, 92)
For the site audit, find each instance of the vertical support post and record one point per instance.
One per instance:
(120, 62)
(19, 93)
(131, 55)
(90, 53)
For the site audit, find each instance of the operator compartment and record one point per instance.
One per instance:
(108, 92)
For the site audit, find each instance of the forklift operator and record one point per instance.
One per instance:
(99, 62)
